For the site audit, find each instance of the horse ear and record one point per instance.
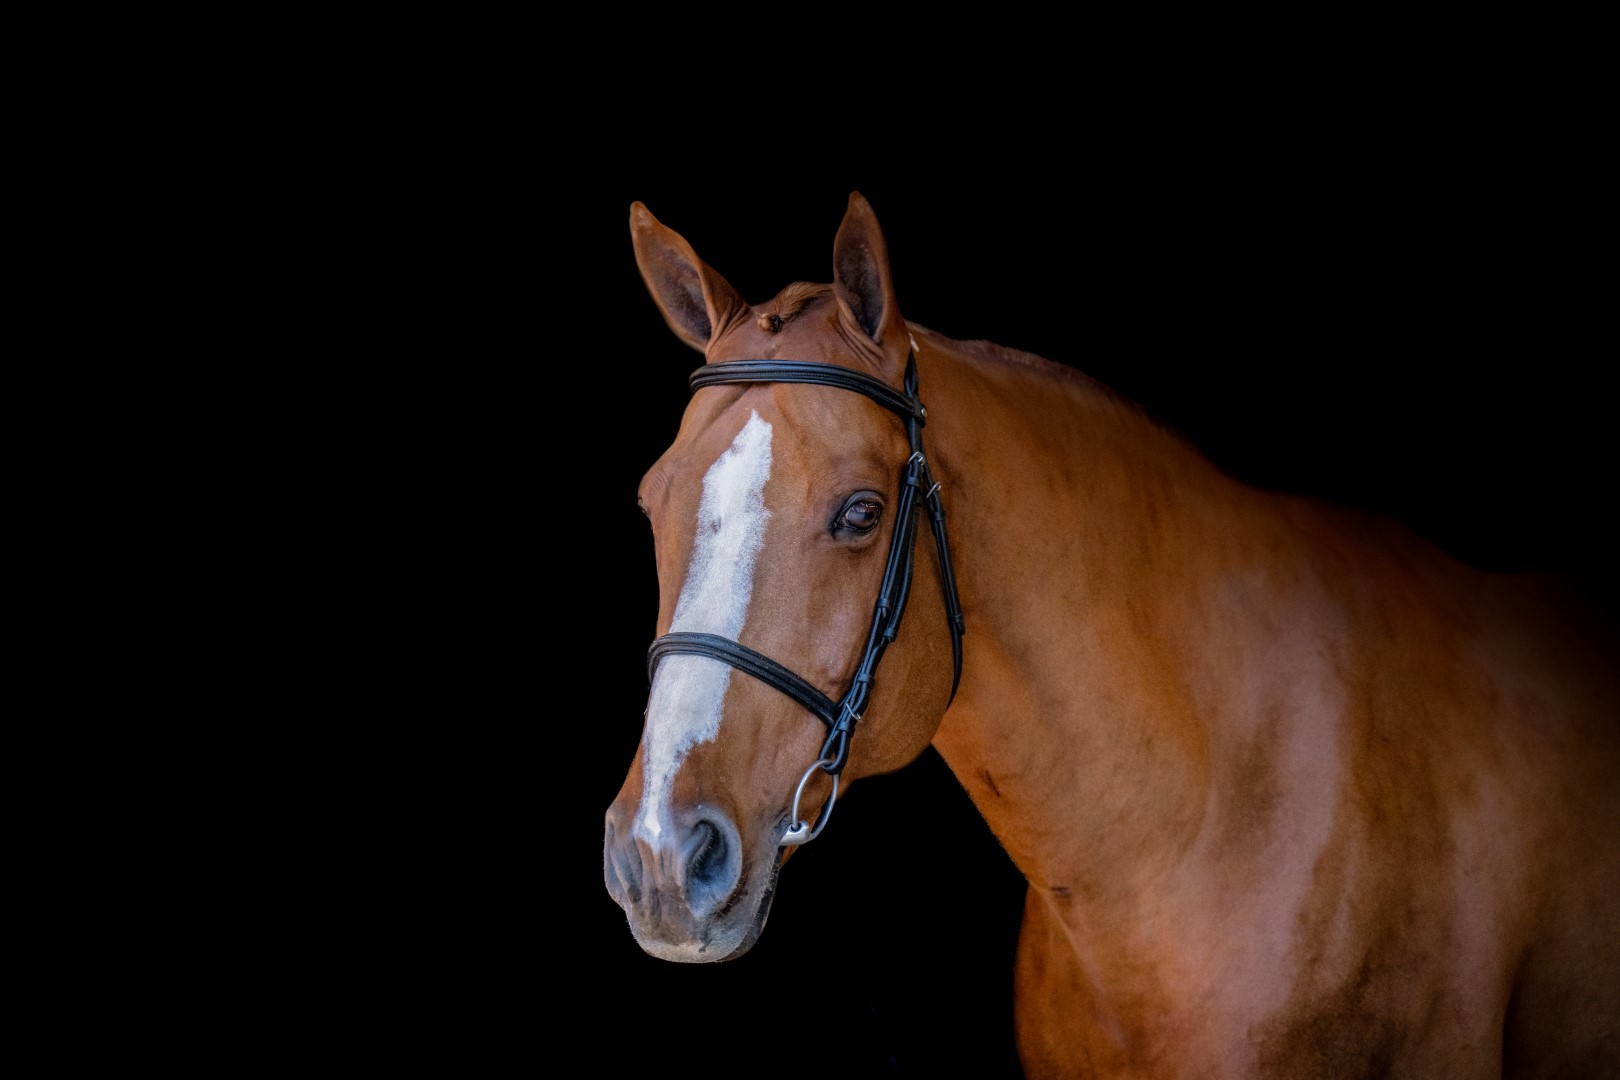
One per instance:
(695, 300)
(861, 278)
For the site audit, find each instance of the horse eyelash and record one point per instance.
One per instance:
(844, 509)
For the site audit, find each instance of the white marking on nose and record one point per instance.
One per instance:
(683, 708)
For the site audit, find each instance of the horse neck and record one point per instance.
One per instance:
(1093, 547)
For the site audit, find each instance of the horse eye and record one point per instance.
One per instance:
(861, 515)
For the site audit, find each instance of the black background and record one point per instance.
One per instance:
(1370, 307)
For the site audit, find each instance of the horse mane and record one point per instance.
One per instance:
(989, 352)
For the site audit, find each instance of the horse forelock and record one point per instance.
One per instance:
(790, 303)
(803, 322)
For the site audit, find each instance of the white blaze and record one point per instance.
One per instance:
(683, 708)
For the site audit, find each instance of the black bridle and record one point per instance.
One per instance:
(917, 489)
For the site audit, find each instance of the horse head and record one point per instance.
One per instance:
(784, 515)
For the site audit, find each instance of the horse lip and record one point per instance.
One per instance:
(762, 912)
(698, 947)
(762, 909)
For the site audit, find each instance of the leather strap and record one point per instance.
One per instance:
(746, 660)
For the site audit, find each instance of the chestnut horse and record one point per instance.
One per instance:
(1295, 793)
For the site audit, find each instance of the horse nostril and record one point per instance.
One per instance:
(713, 864)
(708, 861)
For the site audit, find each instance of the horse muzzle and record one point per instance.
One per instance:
(685, 894)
